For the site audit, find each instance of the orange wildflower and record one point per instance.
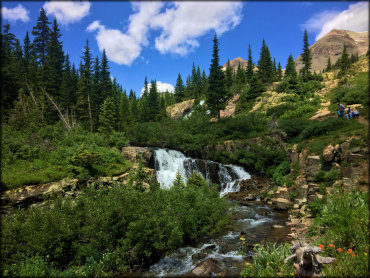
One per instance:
(322, 247)
(349, 251)
(340, 250)
(353, 255)
(331, 245)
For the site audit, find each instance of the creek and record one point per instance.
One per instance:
(256, 220)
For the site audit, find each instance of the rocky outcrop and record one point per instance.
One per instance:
(281, 203)
(136, 154)
(313, 167)
(206, 268)
(180, 109)
(229, 110)
(331, 45)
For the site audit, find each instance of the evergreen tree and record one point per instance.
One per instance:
(179, 89)
(249, 72)
(144, 106)
(54, 63)
(42, 35)
(306, 57)
(290, 69)
(84, 111)
(265, 71)
(256, 88)
(124, 112)
(344, 62)
(153, 102)
(279, 73)
(134, 109)
(328, 66)
(68, 87)
(216, 96)
(27, 50)
(106, 84)
(107, 117)
(228, 75)
(274, 70)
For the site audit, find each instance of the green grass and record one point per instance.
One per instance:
(42, 156)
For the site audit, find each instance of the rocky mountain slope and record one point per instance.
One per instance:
(332, 45)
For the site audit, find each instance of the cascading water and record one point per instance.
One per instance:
(169, 162)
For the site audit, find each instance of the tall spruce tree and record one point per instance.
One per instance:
(328, 65)
(107, 117)
(106, 84)
(265, 71)
(249, 72)
(54, 63)
(344, 62)
(228, 75)
(216, 95)
(41, 32)
(153, 102)
(306, 57)
(290, 69)
(27, 50)
(179, 89)
(279, 72)
(84, 112)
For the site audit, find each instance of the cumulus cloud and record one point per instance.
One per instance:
(180, 24)
(14, 14)
(186, 21)
(67, 12)
(161, 87)
(355, 18)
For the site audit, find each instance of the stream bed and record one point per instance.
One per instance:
(255, 220)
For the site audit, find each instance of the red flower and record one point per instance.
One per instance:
(331, 245)
(340, 250)
(353, 255)
(322, 247)
(349, 251)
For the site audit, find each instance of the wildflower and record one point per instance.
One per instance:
(247, 263)
(365, 254)
(353, 255)
(349, 251)
(340, 250)
(322, 247)
(331, 245)
(242, 238)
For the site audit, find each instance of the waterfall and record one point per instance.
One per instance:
(168, 162)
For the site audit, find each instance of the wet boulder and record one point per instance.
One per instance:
(206, 268)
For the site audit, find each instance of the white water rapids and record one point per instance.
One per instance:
(168, 162)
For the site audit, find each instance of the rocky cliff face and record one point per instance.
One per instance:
(332, 45)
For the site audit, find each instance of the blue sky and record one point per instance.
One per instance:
(161, 39)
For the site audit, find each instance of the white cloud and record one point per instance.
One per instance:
(14, 14)
(355, 18)
(161, 87)
(179, 25)
(186, 21)
(67, 12)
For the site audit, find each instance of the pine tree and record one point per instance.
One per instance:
(249, 72)
(274, 70)
(54, 63)
(27, 50)
(328, 66)
(153, 102)
(106, 84)
(179, 89)
(107, 117)
(306, 57)
(279, 73)
(144, 107)
(124, 112)
(42, 35)
(265, 71)
(290, 69)
(256, 88)
(84, 111)
(216, 95)
(67, 86)
(344, 62)
(228, 75)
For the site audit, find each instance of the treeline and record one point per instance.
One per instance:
(40, 85)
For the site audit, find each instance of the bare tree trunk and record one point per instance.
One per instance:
(90, 116)
(64, 120)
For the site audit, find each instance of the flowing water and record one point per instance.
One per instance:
(169, 162)
(256, 220)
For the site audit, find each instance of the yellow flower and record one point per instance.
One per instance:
(365, 254)
(242, 238)
(247, 263)
(268, 263)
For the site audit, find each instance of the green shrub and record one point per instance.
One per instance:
(280, 172)
(355, 92)
(109, 230)
(268, 261)
(279, 110)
